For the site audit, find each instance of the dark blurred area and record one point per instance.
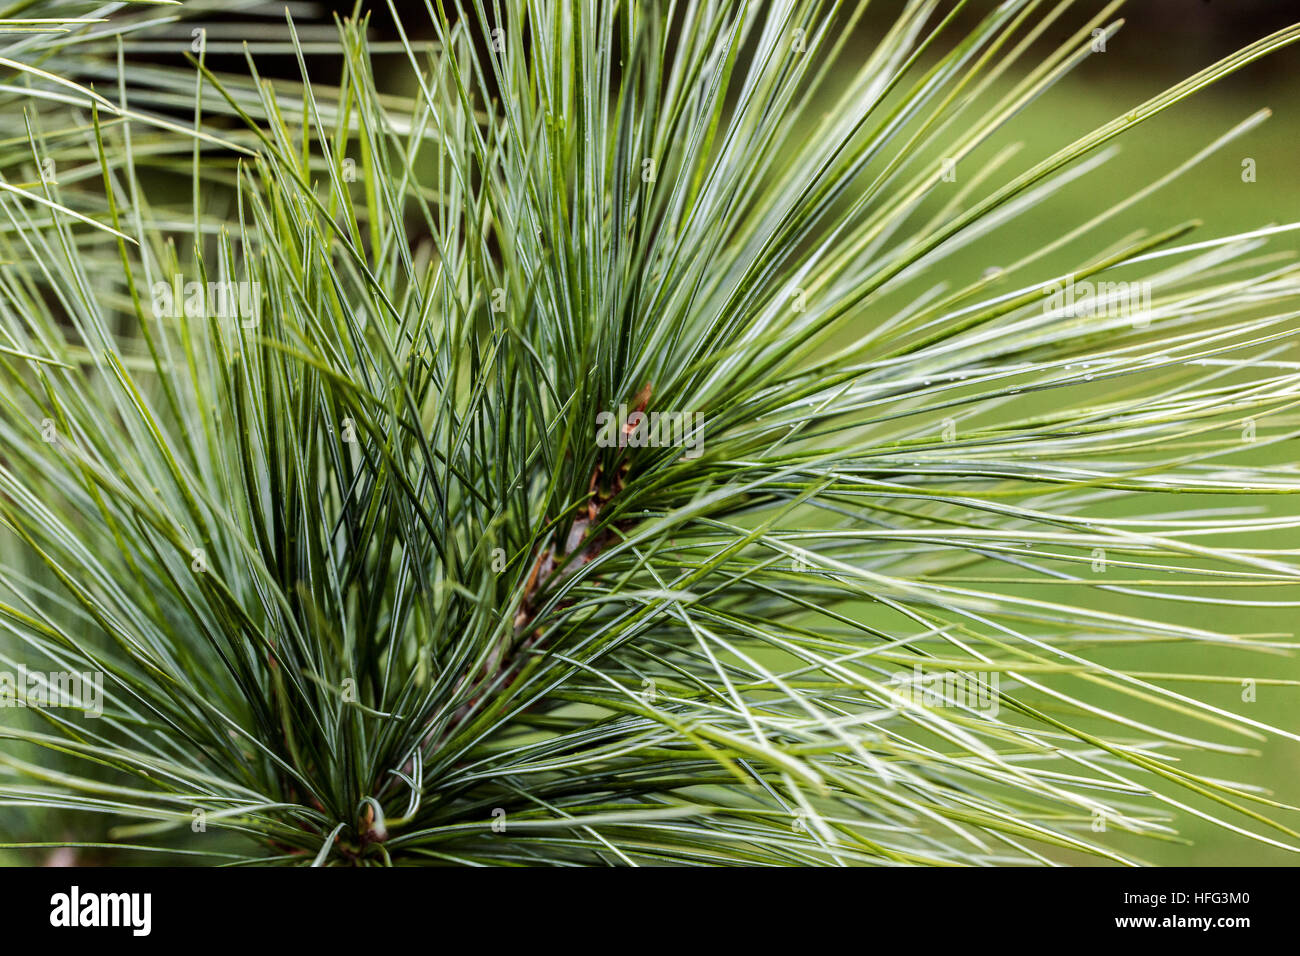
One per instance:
(1162, 40)
(1188, 33)
(1179, 34)
(1182, 36)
